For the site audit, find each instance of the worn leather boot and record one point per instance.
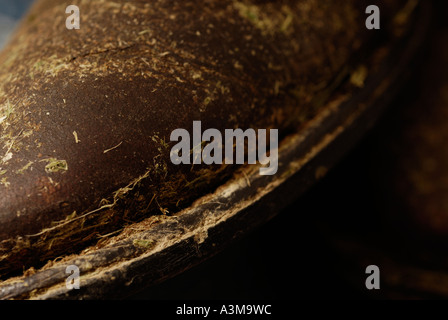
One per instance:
(87, 115)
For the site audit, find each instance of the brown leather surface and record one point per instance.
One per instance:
(133, 73)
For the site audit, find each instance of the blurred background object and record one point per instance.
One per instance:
(10, 12)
